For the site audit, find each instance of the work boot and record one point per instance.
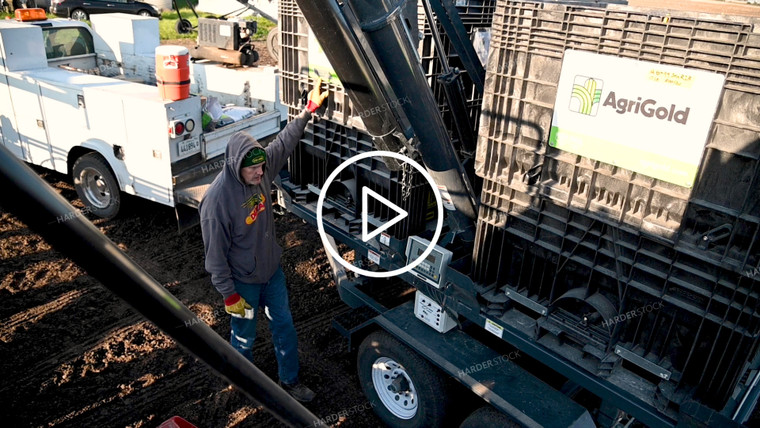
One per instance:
(299, 391)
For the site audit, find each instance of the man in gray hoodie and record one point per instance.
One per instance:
(242, 254)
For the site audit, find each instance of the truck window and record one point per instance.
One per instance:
(65, 42)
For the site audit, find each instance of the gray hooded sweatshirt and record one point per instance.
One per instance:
(236, 219)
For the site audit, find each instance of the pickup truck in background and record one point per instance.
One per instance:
(82, 101)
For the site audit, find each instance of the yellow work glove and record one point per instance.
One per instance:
(235, 305)
(315, 97)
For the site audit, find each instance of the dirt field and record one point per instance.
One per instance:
(73, 355)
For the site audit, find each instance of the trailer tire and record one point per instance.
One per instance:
(487, 416)
(381, 360)
(273, 44)
(96, 185)
(184, 26)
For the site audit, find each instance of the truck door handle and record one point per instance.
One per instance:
(80, 100)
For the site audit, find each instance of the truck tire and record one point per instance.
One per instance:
(96, 185)
(488, 417)
(402, 387)
(79, 15)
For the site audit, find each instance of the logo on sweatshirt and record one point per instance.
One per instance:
(256, 204)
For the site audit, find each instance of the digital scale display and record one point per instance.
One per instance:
(430, 270)
(430, 258)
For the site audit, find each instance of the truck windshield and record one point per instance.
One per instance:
(65, 42)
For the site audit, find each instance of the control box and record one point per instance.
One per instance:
(431, 270)
(431, 313)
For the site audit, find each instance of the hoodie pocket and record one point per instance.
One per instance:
(250, 268)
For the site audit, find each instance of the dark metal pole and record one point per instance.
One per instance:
(33, 201)
(452, 24)
(384, 30)
(453, 88)
(356, 75)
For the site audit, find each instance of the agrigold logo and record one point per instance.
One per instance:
(587, 92)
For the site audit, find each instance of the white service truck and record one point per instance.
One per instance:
(82, 100)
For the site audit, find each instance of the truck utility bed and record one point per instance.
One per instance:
(71, 90)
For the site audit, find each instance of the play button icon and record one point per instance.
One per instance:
(401, 213)
(366, 218)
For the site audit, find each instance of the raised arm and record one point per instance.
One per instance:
(279, 149)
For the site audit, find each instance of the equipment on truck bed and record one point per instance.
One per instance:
(226, 40)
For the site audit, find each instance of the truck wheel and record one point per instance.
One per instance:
(488, 417)
(96, 185)
(403, 389)
(79, 15)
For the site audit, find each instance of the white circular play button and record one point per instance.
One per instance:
(401, 214)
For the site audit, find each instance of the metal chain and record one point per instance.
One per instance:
(406, 181)
(406, 170)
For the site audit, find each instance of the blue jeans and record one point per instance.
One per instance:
(273, 297)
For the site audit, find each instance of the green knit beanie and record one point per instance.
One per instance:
(255, 156)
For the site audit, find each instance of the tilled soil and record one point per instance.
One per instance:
(72, 354)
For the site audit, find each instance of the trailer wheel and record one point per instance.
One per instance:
(184, 26)
(488, 417)
(273, 44)
(403, 389)
(96, 185)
